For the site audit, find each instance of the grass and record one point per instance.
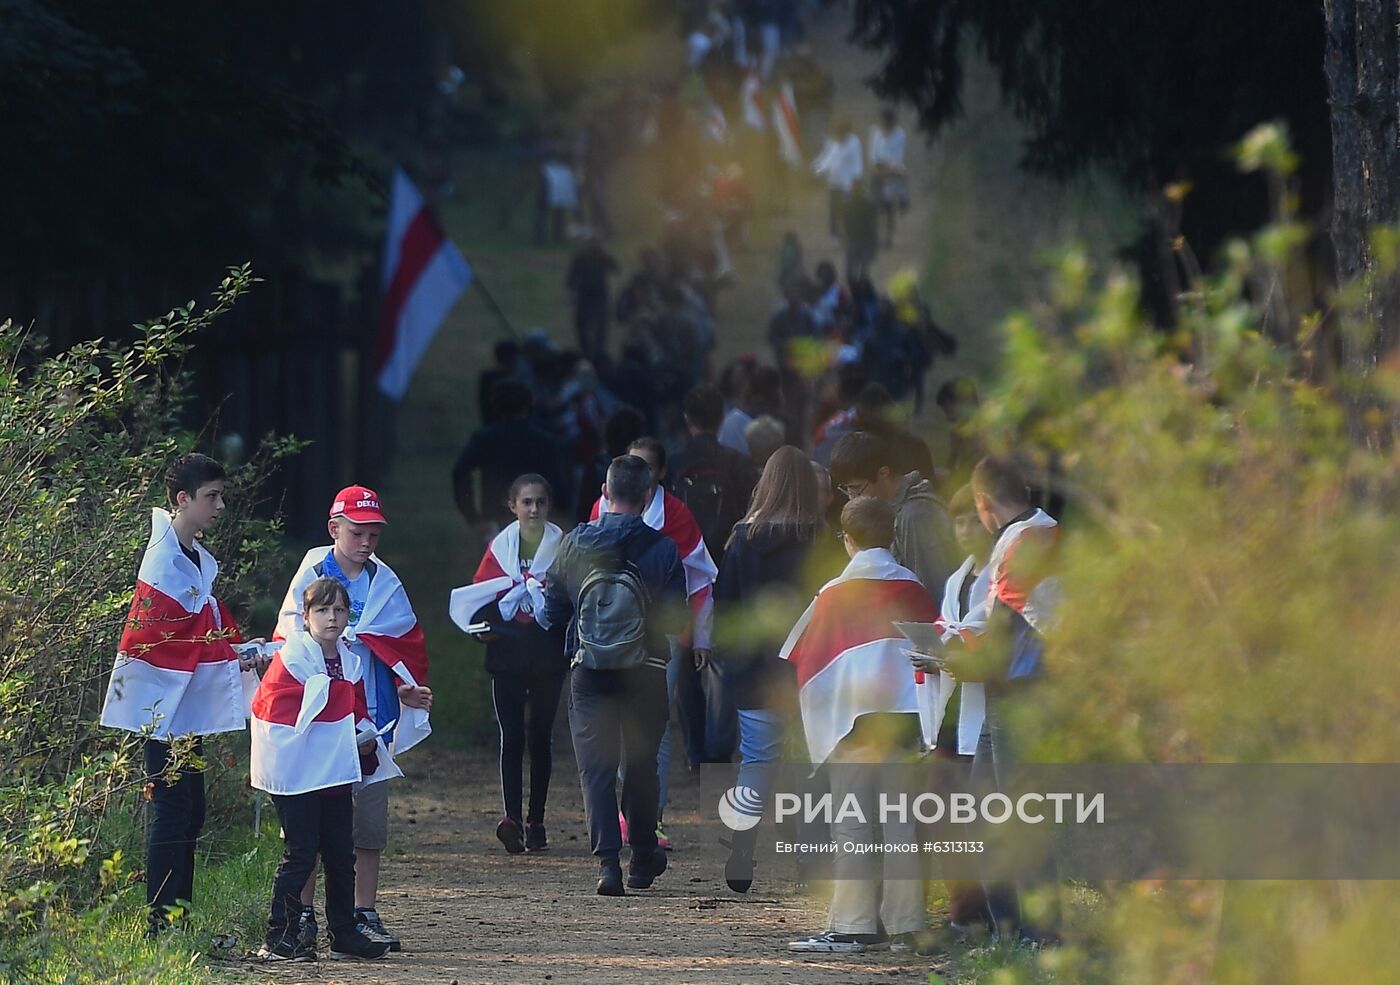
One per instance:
(233, 884)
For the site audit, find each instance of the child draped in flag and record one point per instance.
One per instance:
(859, 710)
(313, 742)
(383, 632)
(177, 675)
(524, 655)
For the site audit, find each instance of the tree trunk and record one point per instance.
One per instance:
(1363, 85)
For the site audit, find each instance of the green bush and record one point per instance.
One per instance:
(85, 436)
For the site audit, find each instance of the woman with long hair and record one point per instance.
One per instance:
(760, 592)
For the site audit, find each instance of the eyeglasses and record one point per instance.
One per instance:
(849, 490)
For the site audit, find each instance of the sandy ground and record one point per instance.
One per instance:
(470, 913)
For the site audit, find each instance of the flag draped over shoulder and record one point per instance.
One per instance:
(848, 656)
(518, 595)
(786, 126)
(176, 672)
(671, 517)
(424, 274)
(304, 723)
(388, 627)
(752, 102)
(934, 695)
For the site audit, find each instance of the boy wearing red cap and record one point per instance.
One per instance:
(384, 632)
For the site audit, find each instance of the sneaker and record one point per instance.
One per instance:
(286, 949)
(738, 871)
(919, 942)
(307, 931)
(644, 868)
(535, 839)
(509, 834)
(368, 923)
(356, 946)
(830, 942)
(610, 880)
(662, 842)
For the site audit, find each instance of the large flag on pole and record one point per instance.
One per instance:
(423, 276)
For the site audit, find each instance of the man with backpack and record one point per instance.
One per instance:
(621, 587)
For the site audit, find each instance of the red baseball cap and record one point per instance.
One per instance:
(358, 504)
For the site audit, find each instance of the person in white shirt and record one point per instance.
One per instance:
(891, 181)
(841, 162)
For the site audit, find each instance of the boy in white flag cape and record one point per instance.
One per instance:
(313, 743)
(384, 633)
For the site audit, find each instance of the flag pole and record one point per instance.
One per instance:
(492, 305)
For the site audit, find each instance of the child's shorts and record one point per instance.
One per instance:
(371, 827)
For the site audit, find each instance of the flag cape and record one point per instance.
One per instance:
(1036, 601)
(670, 516)
(785, 125)
(848, 656)
(935, 695)
(752, 102)
(176, 672)
(423, 276)
(388, 627)
(303, 725)
(498, 578)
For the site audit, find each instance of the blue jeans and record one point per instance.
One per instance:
(760, 748)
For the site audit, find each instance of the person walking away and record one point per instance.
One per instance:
(859, 711)
(714, 482)
(765, 564)
(620, 587)
(313, 742)
(500, 452)
(862, 223)
(177, 676)
(890, 183)
(383, 632)
(587, 281)
(525, 658)
(840, 162)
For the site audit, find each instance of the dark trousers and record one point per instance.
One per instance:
(175, 818)
(526, 706)
(615, 715)
(996, 755)
(314, 824)
(591, 322)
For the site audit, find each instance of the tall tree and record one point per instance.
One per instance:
(1363, 83)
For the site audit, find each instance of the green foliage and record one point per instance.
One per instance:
(1228, 569)
(85, 436)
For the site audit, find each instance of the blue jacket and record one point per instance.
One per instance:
(625, 537)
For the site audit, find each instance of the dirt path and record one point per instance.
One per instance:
(470, 913)
(467, 911)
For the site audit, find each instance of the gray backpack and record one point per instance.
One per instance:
(612, 618)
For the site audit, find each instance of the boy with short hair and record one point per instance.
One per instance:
(383, 631)
(860, 710)
(177, 674)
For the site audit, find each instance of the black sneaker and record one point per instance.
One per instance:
(535, 839)
(509, 834)
(738, 868)
(288, 949)
(307, 931)
(356, 946)
(368, 922)
(644, 868)
(610, 880)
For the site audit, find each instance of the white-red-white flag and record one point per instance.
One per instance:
(752, 101)
(785, 125)
(423, 276)
(848, 656)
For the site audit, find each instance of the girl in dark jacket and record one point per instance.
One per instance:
(525, 659)
(762, 588)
